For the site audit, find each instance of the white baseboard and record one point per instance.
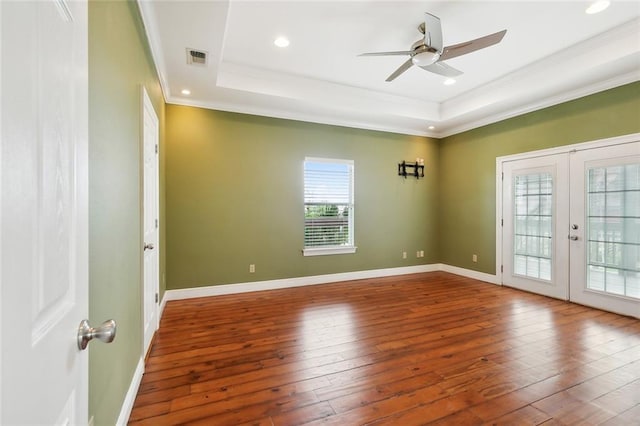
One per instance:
(219, 290)
(480, 276)
(163, 304)
(224, 289)
(129, 399)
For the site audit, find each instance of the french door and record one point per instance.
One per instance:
(571, 225)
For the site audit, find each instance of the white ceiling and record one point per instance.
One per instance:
(553, 51)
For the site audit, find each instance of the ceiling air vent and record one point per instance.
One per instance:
(196, 57)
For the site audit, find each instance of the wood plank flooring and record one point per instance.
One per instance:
(431, 348)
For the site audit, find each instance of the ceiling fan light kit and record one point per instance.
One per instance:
(425, 58)
(429, 53)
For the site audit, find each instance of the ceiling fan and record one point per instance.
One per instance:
(428, 52)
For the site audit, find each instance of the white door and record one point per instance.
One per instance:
(535, 214)
(43, 208)
(151, 249)
(571, 225)
(605, 212)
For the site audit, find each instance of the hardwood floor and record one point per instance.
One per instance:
(430, 348)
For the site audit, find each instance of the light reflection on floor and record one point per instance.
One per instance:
(323, 329)
(542, 354)
(533, 336)
(332, 324)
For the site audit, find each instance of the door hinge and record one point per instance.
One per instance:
(157, 297)
(502, 175)
(156, 223)
(156, 148)
(501, 222)
(501, 268)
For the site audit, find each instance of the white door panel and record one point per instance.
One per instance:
(44, 211)
(605, 209)
(151, 240)
(535, 223)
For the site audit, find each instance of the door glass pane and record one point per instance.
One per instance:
(533, 207)
(613, 221)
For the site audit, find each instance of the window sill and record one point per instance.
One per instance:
(325, 251)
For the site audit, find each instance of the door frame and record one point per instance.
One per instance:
(599, 143)
(147, 105)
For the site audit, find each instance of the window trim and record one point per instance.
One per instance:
(323, 251)
(333, 250)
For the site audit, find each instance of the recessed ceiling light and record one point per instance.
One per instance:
(281, 42)
(186, 92)
(431, 127)
(449, 82)
(598, 6)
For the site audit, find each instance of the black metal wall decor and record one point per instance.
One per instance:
(405, 169)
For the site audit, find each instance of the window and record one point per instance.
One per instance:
(328, 206)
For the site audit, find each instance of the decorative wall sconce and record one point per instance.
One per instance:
(411, 169)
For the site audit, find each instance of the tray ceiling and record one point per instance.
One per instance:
(552, 52)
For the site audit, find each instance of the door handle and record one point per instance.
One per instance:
(573, 237)
(105, 333)
(148, 246)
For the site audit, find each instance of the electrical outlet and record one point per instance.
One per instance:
(418, 253)
(404, 254)
(474, 258)
(421, 253)
(252, 268)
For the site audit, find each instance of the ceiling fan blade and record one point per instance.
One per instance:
(400, 70)
(397, 53)
(432, 32)
(443, 69)
(472, 45)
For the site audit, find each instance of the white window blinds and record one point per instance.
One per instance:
(328, 206)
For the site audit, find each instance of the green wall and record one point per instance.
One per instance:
(234, 188)
(119, 65)
(467, 163)
(234, 193)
